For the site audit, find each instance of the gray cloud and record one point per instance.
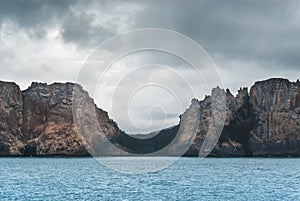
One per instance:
(264, 31)
(85, 24)
(248, 40)
(78, 29)
(34, 16)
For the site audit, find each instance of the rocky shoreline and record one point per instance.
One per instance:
(39, 121)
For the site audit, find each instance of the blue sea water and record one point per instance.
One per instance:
(187, 179)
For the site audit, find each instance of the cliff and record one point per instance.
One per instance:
(276, 107)
(41, 121)
(264, 122)
(10, 119)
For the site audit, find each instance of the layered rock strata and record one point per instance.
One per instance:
(62, 120)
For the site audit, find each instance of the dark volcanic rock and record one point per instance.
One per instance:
(47, 126)
(61, 119)
(262, 123)
(232, 128)
(276, 104)
(239, 121)
(10, 119)
(39, 120)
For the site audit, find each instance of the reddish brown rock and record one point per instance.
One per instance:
(61, 119)
(49, 127)
(276, 106)
(47, 121)
(10, 119)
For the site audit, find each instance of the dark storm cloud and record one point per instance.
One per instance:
(70, 16)
(33, 15)
(264, 31)
(78, 29)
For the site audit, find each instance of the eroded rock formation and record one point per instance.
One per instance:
(10, 119)
(276, 107)
(40, 121)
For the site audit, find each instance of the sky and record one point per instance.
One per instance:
(50, 41)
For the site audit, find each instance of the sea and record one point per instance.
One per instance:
(185, 179)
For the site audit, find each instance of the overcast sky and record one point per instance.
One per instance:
(49, 41)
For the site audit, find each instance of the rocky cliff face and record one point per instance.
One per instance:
(47, 126)
(233, 123)
(41, 121)
(276, 107)
(262, 123)
(10, 119)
